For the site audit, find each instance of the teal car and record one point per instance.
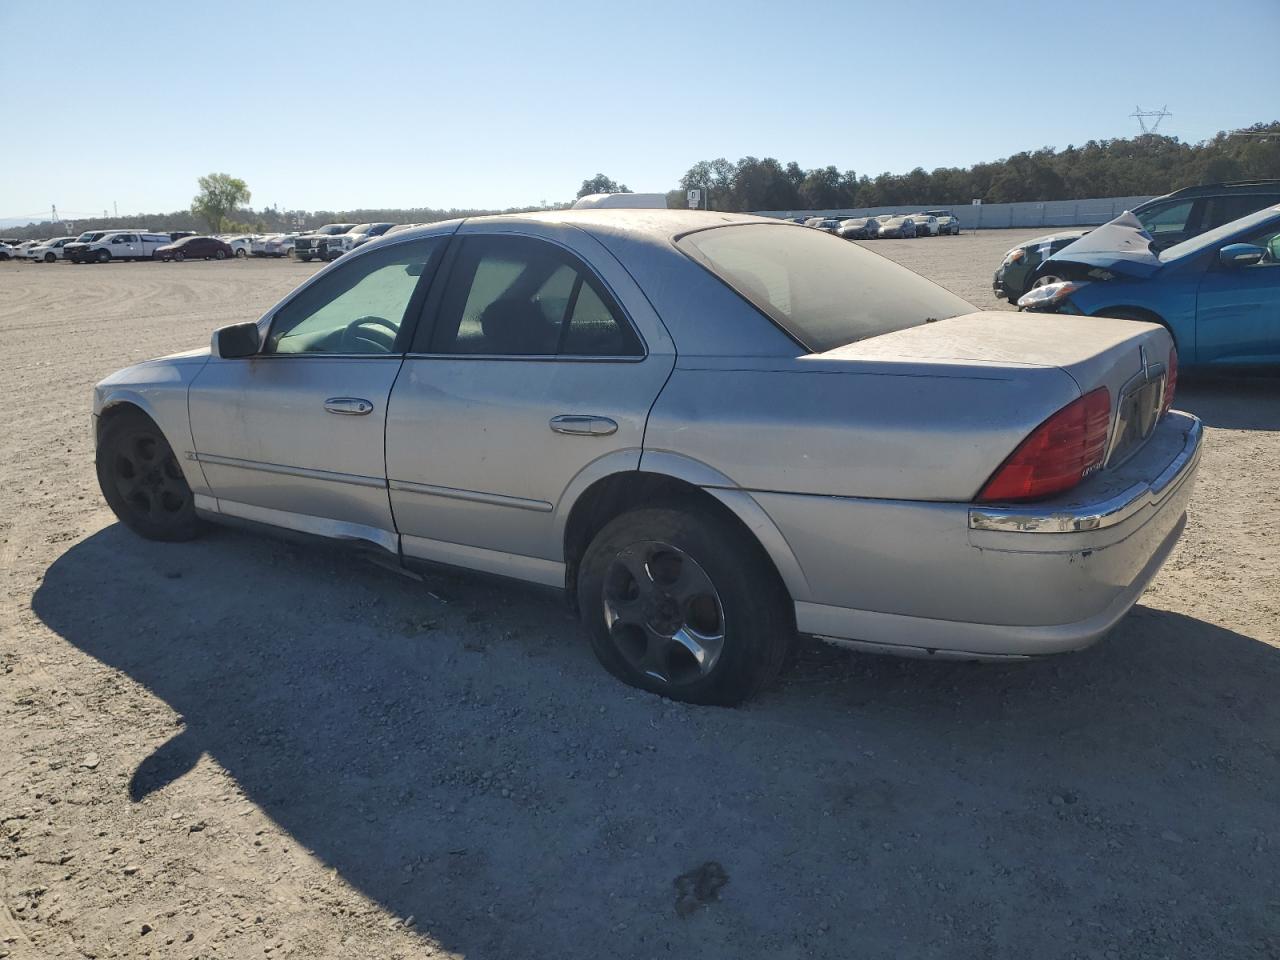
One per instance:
(1218, 293)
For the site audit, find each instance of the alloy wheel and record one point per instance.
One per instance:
(148, 478)
(663, 613)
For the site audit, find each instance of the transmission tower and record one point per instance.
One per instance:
(1149, 120)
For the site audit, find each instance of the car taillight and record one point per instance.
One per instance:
(1057, 455)
(1170, 381)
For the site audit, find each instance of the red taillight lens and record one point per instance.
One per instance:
(1060, 452)
(1170, 381)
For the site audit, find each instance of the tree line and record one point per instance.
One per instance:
(1145, 165)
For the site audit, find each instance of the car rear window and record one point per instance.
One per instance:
(823, 291)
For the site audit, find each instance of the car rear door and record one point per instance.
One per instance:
(536, 376)
(294, 435)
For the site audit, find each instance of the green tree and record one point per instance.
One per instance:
(601, 184)
(220, 194)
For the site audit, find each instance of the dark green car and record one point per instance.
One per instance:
(1170, 219)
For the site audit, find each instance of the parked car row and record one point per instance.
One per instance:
(930, 223)
(134, 243)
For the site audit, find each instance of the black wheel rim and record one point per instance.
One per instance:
(148, 478)
(663, 613)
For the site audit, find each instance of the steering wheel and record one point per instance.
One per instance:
(364, 332)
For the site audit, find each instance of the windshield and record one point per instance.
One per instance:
(1218, 234)
(822, 290)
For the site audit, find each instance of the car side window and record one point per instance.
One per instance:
(358, 307)
(1171, 221)
(518, 296)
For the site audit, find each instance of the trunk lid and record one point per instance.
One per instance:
(1127, 357)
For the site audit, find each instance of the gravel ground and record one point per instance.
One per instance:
(243, 747)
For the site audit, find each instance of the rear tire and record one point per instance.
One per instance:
(681, 602)
(241, 253)
(142, 482)
(220, 255)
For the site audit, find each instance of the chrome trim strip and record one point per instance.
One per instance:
(1096, 516)
(533, 569)
(306, 523)
(473, 496)
(307, 473)
(534, 357)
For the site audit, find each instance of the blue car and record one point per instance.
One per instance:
(1218, 293)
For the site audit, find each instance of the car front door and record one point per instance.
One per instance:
(294, 435)
(536, 376)
(1238, 308)
(124, 246)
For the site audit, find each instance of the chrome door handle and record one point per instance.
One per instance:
(578, 425)
(348, 406)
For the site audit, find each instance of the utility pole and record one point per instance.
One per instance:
(55, 214)
(115, 210)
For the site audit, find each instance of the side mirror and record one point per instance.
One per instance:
(1240, 255)
(237, 340)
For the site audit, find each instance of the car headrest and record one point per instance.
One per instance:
(516, 326)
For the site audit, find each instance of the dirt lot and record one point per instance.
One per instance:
(241, 747)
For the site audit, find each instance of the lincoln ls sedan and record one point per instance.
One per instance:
(713, 432)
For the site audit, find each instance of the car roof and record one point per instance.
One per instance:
(648, 223)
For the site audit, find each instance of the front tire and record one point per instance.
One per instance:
(104, 256)
(50, 258)
(142, 482)
(179, 256)
(241, 253)
(683, 603)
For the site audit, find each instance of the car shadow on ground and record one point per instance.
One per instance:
(1217, 400)
(454, 751)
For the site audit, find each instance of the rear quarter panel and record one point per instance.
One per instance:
(905, 431)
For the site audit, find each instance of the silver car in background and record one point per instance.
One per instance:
(712, 431)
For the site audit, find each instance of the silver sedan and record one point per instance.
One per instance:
(712, 431)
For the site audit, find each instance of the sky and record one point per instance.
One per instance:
(491, 103)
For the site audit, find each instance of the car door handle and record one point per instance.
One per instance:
(578, 425)
(348, 406)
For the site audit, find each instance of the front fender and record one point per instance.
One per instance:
(158, 389)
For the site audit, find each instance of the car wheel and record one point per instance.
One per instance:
(1044, 281)
(220, 255)
(306, 259)
(50, 258)
(684, 604)
(142, 482)
(179, 256)
(241, 252)
(104, 256)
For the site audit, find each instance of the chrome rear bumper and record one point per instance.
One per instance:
(1035, 518)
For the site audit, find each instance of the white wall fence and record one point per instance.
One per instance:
(986, 216)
